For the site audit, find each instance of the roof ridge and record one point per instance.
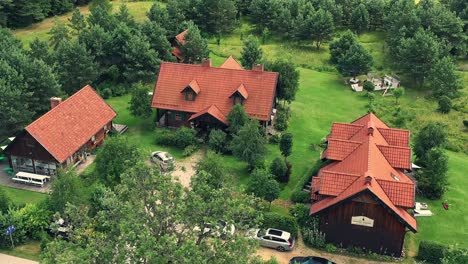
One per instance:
(348, 124)
(342, 173)
(392, 146)
(219, 68)
(345, 140)
(397, 182)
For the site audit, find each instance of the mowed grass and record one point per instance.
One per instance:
(41, 30)
(19, 196)
(29, 250)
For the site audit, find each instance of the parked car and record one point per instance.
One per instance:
(310, 260)
(163, 159)
(273, 238)
(221, 229)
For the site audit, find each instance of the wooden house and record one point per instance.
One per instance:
(62, 136)
(201, 96)
(363, 195)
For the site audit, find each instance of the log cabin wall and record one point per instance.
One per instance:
(386, 236)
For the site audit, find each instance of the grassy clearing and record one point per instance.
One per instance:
(19, 196)
(40, 30)
(29, 250)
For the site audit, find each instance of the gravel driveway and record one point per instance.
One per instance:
(185, 168)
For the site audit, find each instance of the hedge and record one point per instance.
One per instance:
(432, 252)
(283, 222)
(300, 196)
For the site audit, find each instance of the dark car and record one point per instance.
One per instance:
(310, 260)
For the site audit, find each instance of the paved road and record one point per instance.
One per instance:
(7, 259)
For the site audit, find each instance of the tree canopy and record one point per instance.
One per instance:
(251, 52)
(236, 118)
(249, 144)
(288, 79)
(431, 136)
(263, 185)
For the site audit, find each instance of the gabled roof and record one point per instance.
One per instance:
(231, 63)
(72, 123)
(241, 91)
(366, 147)
(217, 85)
(213, 111)
(193, 85)
(180, 38)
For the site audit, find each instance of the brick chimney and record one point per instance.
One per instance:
(206, 63)
(257, 67)
(54, 101)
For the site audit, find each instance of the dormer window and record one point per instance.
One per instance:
(237, 99)
(239, 95)
(189, 95)
(191, 91)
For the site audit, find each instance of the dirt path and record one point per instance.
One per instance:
(302, 250)
(184, 169)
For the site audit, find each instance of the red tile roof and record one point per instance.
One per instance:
(216, 86)
(366, 147)
(181, 41)
(242, 91)
(72, 123)
(194, 85)
(231, 63)
(213, 111)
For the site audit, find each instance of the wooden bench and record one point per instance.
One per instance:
(21, 180)
(37, 183)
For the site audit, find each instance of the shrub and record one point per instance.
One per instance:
(313, 237)
(368, 86)
(165, 137)
(301, 213)
(217, 141)
(34, 220)
(445, 105)
(106, 93)
(431, 252)
(282, 222)
(456, 256)
(330, 248)
(184, 137)
(288, 172)
(278, 169)
(465, 123)
(300, 197)
(274, 139)
(189, 150)
(5, 201)
(281, 122)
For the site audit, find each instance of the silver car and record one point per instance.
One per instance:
(273, 238)
(163, 159)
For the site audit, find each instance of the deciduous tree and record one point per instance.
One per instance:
(443, 78)
(263, 185)
(357, 60)
(249, 144)
(77, 21)
(340, 47)
(432, 180)
(431, 136)
(58, 33)
(286, 143)
(360, 18)
(76, 66)
(236, 119)
(140, 103)
(251, 52)
(288, 79)
(321, 27)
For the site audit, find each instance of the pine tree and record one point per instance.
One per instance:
(77, 21)
(251, 52)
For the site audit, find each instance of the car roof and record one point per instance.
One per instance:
(278, 233)
(164, 155)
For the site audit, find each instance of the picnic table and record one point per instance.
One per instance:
(26, 177)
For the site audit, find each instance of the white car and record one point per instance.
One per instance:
(163, 159)
(273, 238)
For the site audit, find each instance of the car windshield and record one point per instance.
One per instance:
(261, 233)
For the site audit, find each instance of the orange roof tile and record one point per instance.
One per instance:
(242, 91)
(367, 147)
(398, 157)
(181, 37)
(213, 111)
(194, 86)
(231, 63)
(72, 123)
(217, 85)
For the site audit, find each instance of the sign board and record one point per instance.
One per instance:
(362, 221)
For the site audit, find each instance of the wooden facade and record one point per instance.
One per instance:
(25, 153)
(385, 236)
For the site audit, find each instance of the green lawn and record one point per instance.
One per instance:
(29, 250)
(40, 30)
(19, 196)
